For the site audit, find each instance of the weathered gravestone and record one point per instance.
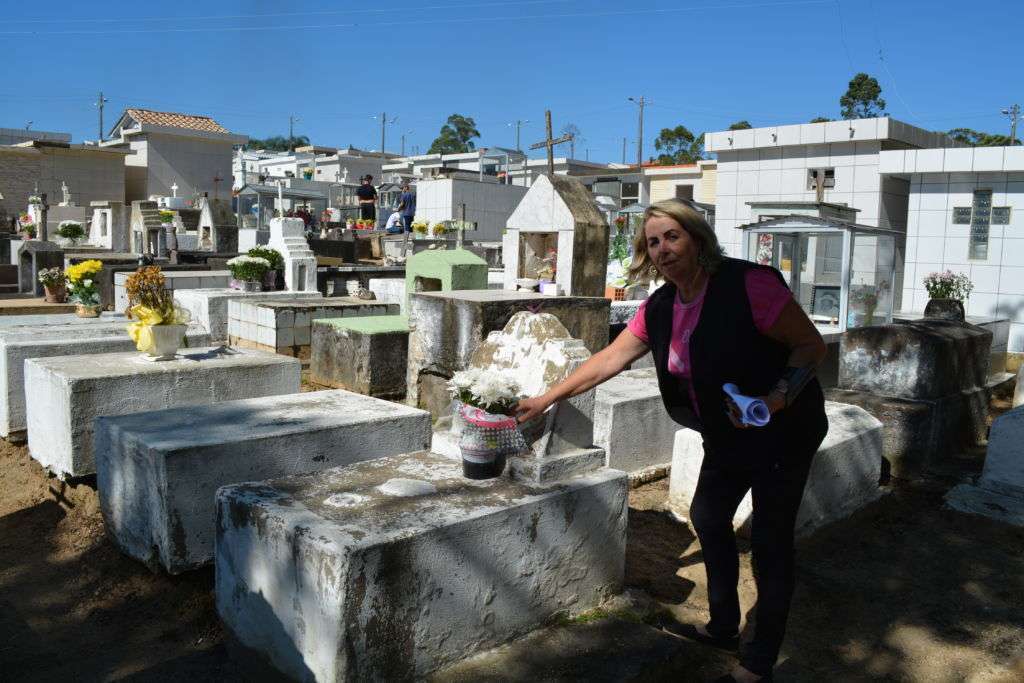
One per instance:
(392, 569)
(925, 380)
(999, 493)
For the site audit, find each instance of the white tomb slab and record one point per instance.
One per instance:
(209, 307)
(632, 425)
(286, 326)
(45, 341)
(844, 475)
(174, 280)
(288, 236)
(158, 471)
(69, 392)
(390, 569)
(999, 493)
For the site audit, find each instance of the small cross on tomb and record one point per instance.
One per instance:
(174, 190)
(550, 144)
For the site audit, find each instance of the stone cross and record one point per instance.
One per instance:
(174, 189)
(67, 193)
(550, 143)
(344, 174)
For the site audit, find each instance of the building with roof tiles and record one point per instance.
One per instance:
(190, 151)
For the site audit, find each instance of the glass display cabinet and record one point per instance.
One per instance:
(841, 273)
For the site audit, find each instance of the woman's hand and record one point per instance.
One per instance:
(529, 408)
(774, 401)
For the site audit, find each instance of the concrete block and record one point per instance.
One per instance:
(45, 341)
(266, 336)
(158, 471)
(264, 316)
(366, 355)
(285, 337)
(209, 307)
(844, 476)
(69, 392)
(301, 318)
(285, 318)
(391, 569)
(631, 423)
(302, 335)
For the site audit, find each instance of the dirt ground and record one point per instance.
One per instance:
(905, 590)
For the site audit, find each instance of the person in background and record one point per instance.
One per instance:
(718, 320)
(407, 206)
(367, 195)
(394, 224)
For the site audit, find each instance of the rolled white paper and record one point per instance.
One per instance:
(753, 411)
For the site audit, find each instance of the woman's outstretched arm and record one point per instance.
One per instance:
(602, 366)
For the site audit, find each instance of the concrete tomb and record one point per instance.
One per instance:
(103, 335)
(844, 475)
(366, 355)
(34, 256)
(926, 380)
(540, 352)
(443, 270)
(999, 492)
(69, 392)
(209, 307)
(632, 425)
(391, 569)
(217, 221)
(109, 225)
(158, 471)
(174, 280)
(286, 326)
(288, 236)
(558, 226)
(446, 328)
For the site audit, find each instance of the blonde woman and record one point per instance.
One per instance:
(720, 320)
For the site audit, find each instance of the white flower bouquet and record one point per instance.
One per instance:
(491, 391)
(248, 268)
(484, 402)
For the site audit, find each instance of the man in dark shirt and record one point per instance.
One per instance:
(367, 195)
(407, 206)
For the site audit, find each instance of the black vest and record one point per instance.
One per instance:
(726, 347)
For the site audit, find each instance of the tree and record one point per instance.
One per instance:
(820, 119)
(976, 138)
(679, 146)
(862, 99)
(741, 125)
(277, 143)
(456, 136)
(571, 129)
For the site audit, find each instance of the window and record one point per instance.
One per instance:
(981, 219)
(962, 215)
(630, 193)
(828, 175)
(684, 192)
(1000, 215)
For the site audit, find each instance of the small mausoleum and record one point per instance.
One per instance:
(841, 272)
(557, 233)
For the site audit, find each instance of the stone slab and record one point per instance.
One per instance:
(631, 423)
(391, 569)
(844, 476)
(446, 328)
(366, 355)
(19, 343)
(1004, 460)
(977, 500)
(69, 392)
(209, 307)
(158, 472)
(174, 280)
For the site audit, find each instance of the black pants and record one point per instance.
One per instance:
(777, 485)
(367, 211)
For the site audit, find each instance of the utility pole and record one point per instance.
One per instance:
(518, 124)
(408, 132)
(623, 150)
(642, 102)
(292, 120)
(1013, 113)
(383, 126)
(99, 105)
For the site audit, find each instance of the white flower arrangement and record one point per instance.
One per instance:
(35, 199)
(495, 392)
(248, 267)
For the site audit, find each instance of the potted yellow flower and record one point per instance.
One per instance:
(439, 229)
(159, 327)
(83, 288)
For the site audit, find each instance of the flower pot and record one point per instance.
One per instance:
(945, 309)
(85, 311)
(246, 285)
(486, 441)
(166, 341)
(55, 294)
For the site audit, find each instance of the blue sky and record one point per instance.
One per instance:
(335, 65)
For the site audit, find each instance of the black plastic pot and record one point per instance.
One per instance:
(487, 470)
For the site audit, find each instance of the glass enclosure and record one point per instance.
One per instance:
(841, 276)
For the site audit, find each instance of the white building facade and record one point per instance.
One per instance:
(966, 214)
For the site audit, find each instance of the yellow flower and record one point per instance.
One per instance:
(84, 270)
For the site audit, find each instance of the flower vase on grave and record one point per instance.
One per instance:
(945, 309)
(486, 441)
(55, 294)
(86, 311)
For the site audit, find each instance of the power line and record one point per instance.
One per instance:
(842, 35)
(423, 22)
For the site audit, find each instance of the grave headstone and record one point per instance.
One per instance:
(999, 493)
(366, 355)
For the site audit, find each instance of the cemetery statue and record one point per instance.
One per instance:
(719, 321)
(67, 193)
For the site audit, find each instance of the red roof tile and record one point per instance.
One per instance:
(174, 120)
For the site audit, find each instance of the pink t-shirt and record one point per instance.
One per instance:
(767, 297)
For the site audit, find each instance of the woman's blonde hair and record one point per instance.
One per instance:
(710, 253)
